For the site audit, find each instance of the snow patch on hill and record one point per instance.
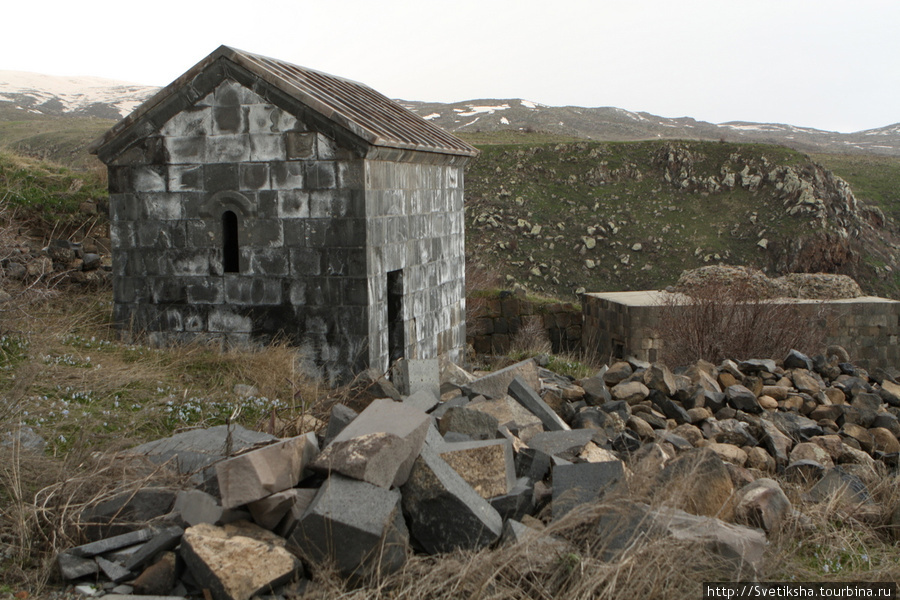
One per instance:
(72, 93)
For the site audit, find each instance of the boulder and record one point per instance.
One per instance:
(697, 482)
(659, 377)
(632, 524)
(354, 525)
(631, 392)
(237, 561)
(617, 373)
(443, 512)
(581, 483)
(762, 504)
(741, 398)
(341, 416)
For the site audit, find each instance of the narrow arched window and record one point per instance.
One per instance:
(230, 248)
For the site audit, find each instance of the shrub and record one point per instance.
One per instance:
(736, 320)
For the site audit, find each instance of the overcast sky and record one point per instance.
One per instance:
(828, 64)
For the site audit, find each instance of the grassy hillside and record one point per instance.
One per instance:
(557, 217)
(62, 140)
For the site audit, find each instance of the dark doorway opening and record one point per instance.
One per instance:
(231, 262)
(396, 337)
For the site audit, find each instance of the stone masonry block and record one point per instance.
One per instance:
(379, 446)
(265, 471)
(413, 375)
(486, 465)
(443, 512)
(496, 384)
(357, 525)
(527, 397)
(237, 561)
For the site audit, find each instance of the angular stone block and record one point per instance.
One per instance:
(341, 416)
(265, 471)
(380, 445)
(518, 502)
(509, 413)
(413, 375)
(576, 484)
(443, 511)
(196, 506)
(302, 498)
(527, 397)
(356, 525)
(126, 512)
(237, 561)
(72, 566)
(496, 384)
(424, 400)
(473, 423)
(162, 540)
(563, 444)
(486, 465)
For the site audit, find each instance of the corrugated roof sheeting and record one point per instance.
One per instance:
(366, 113)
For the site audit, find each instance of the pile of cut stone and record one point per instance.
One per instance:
(449, 461)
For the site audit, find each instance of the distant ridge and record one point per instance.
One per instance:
(33, 94)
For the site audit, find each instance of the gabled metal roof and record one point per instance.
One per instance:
(369, 115)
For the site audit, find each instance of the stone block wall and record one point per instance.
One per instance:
(320, 222)
(624, 324)
(415, 227)
(494, 320)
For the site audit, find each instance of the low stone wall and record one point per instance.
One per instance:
(620, 324)
(493, 321)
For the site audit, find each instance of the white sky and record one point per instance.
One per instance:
(828, 64)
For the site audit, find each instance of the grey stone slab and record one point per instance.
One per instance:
(496, 384)
(424, 400)
(527, 397)
(265, 471)
(113, 543)
(162, 540)
(389, 434)
(581, 483)
(442, 409)
(196, 506)
(202, 447)
(443, 512)
(357, 525)
(563, 444)
(113, 570)
(72, 566)
(126, 512)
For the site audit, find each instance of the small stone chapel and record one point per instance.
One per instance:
(253, 200)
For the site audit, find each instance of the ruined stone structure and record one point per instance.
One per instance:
(621, 324)
(252, 199)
